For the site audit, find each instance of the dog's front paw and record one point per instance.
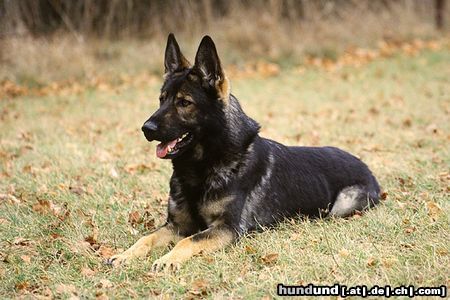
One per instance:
(118, 259)
(166, 263)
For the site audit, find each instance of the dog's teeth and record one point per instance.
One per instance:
(169, 149)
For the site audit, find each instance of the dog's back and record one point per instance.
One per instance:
(311, 181)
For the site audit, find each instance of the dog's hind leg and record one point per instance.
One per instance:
(159, 238)
(353, 198)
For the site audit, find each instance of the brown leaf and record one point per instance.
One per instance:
(10, 198)
(134, 218)
(270, 258)
(344, 253)
(410, 230)
(250, 249)
(442, 251)
(20, 241)
(383, 195)
(77, 190)
(371, 262)
(199, 287)
(432, 128)
(388, 263)
(105, 283)
(23, 285)
(101, 296)
(46, 206)
(26, 258)
(133, 168)
(91, 239)
(434, 210)
(149, 224)
(105, 252)
(66, 288)
(88, 272)
(208, 258)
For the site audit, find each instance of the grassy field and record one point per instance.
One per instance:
(78, 182)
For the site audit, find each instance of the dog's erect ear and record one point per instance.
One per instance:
(207, 62)
(174, 59)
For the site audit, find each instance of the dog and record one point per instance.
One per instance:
(227, 180)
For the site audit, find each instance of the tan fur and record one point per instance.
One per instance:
(198, 152)
(180, 213)
(223, 88)
(189, 247)
(159, 238)
(214, 209)
(193, 77)
(184, 96)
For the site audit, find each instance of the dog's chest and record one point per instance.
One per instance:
(212, 211)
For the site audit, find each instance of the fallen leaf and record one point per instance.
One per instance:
(133, 168)
(92, 240)
(387, 262)
(134, 218)
(20, 241)
(410, 230)
(442, 251)
(434, 210)
(250, 249)
(344, 252)
(77, 190)
(371, 262)
(88, 272)
(20, 286)
(65, 288)
(113, 173)
(208, 258)
(407, 122)
(26, 258)
(47, 206)
(270, 258)
(432, 128)
(101, 296)
(105, 252)
(199, 287)
(105, 284)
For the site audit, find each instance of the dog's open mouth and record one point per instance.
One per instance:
(171, 148)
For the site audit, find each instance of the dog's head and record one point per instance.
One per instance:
(192, 100)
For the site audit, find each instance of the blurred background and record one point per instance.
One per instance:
(43, 41)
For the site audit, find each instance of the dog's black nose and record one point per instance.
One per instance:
(149, 127)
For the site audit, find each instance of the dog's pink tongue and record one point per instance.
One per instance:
(163, 148)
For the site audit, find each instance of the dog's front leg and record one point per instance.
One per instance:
(159, 238)
(206, 241)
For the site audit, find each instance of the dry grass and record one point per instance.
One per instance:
(78, 182)
(262, 30)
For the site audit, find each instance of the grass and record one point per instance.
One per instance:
(78, 181)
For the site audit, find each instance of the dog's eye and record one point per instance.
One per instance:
(184, 102)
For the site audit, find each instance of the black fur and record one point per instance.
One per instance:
(230, 177)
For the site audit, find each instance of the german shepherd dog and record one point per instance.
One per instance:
(227, 180)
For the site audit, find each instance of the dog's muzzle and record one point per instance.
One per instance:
(149, 128)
